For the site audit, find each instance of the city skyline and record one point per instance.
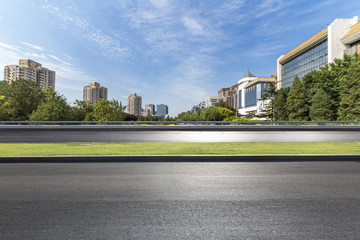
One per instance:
(166, 52)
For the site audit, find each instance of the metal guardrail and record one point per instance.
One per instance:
(140, 122)
(49, 122)
(253, 122)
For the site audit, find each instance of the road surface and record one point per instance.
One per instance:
(275, 200)
(96, 135)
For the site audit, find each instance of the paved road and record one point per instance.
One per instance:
(95, 135)
(302, 200)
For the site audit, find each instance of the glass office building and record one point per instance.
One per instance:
(308, 61)
(162, 110)
(324, 47)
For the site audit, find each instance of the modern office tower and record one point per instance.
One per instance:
(229, 95)
(211, 101)
(149, 110)
(162, 110)
(30, 70)
(250, 90)
(341, 36)
(134, 104)
(94, 93)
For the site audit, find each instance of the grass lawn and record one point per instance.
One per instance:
(114, 149)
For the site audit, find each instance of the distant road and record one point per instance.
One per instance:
(45, 134)
(273, 200)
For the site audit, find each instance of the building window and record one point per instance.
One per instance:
(308, 61)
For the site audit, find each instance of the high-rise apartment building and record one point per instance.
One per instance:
(94, 93)
(341, 36)
(30, 70)
(162, 110)
(134, 104)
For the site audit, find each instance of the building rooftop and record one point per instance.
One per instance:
(353, 30)
(260, 79)
(248, 74)
(305, 44)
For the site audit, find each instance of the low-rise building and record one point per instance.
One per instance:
(250, 92)
(211, 101)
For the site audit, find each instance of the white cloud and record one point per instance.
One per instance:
(108, 46)
(14, 48)
(34, 55)
(33, 46)
(190, 78)
(58, 59)
(159, 3)
(193, 26)
(65, 72)
(270, 6)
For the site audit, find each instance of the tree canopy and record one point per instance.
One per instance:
(53, 107)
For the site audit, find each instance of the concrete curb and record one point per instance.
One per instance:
(179, 158)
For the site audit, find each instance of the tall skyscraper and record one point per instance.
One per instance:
(30, 70)
(94, 93)
(162, 110)
(134, 104)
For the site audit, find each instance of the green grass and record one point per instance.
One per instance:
(114, 149)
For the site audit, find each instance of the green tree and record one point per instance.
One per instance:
(225, 112)
(349, 109)
(3, 104)
(279, 104)
(23, 97)
(320, 109)
(210, 114)
(296, 104)
(83, 111)
(109, 111)
(53, 107)
(268, 97)
(223, 104)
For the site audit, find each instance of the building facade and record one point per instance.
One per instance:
(250, 91)
(94, 93)
(30, 70)
(211, 101)
(162, 110)
(134, 104)
(341, 36)
(149, 110)
(229, 95)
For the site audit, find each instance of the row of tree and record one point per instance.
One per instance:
(23, 100)
(332, 93)
(220, 112)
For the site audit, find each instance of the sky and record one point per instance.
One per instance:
(173, 52)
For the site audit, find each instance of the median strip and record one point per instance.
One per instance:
(163, 149)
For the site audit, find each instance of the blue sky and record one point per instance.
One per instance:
(169, 52)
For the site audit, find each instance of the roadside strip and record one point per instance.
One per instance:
(183, 158)
(185, 127)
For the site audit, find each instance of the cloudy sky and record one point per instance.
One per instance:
(174, 52)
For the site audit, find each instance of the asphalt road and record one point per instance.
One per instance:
(274, 200)
(96, 135)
